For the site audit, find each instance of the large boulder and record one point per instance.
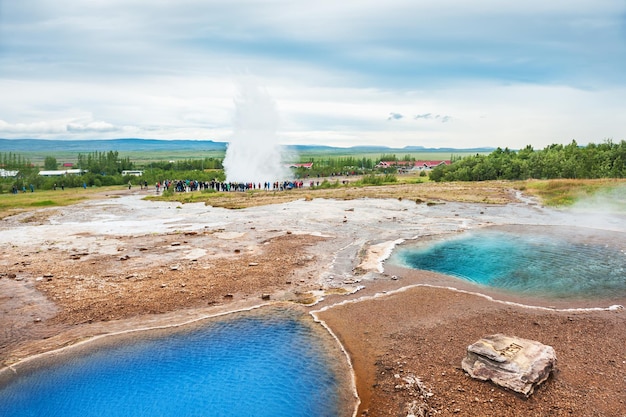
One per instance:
(511, 362)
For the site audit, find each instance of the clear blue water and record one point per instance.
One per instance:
(267, 365)
(545, 261)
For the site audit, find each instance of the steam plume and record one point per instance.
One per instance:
(254, 154)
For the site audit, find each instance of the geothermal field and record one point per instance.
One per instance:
(121, 263)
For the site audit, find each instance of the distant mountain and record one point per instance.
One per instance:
(103, 145)
(134, 145)
(423, 149)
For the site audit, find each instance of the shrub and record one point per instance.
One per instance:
(327, 184)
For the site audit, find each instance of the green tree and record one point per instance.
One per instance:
(606, 160)
(50, 163)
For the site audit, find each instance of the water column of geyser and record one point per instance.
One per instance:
(254, 155)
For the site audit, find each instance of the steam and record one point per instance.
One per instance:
(606, 209)
(254, 154)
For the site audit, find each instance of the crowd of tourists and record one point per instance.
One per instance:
(194, 185)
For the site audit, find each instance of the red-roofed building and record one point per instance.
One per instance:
(412, 165)
(429, 164)
(307, 165)
(68, 165)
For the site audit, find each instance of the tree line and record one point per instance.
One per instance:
(605, 160)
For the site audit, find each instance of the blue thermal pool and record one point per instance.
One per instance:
(251, 365)
(540, 261)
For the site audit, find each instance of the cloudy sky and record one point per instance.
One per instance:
(434, 73)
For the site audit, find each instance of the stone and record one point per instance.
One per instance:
(510, 362)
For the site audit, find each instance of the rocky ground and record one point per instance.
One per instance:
(98, 267)
(422, 335)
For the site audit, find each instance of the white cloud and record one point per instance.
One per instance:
(96, 126)
(447, 72)
(430, 116)
(41, 127)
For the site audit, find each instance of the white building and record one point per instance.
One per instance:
(135, 173)
(6, 174)
(61, 172)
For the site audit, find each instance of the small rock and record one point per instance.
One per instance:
(174, 267)
(163, 285)
(228, 296)
(175, 244)
(125, 258)
(37, 320)
(253, 264)
(265, 296)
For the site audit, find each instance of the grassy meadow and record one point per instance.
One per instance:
(16, 203)
(555, 193)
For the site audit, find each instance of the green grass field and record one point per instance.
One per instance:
(144, 158)
(556, 193)
(20, 202)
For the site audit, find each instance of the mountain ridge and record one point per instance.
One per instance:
(135, 144)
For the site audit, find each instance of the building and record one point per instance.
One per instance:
(61, 172)
(6, 173)
(307, 165)
(420, 165)
(134, 173)
(411, 165)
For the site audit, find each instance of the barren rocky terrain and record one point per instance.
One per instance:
(121, 262)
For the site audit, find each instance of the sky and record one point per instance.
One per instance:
(432, 73)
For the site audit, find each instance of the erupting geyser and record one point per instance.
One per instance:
(254, 154)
